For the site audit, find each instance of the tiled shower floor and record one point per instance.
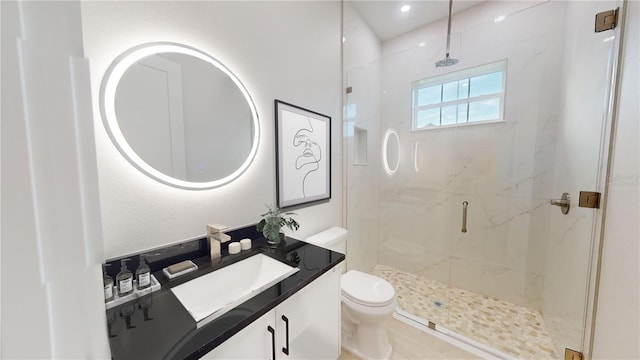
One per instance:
(504, 326)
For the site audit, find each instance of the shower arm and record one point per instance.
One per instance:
(449, 29)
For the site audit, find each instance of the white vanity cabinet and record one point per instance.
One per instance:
(309, 320)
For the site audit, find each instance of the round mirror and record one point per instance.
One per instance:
(179, 115)
(391, 151)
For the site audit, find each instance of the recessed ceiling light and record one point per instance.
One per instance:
(422, 44)
(499, 18)
(405, 8)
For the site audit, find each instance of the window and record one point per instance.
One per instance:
(469, 96)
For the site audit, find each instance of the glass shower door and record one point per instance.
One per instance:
(530, 262)
(589, 70)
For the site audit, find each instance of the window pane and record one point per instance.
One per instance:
(450, 91)
(462, 113)
(484, 110)
(475, 96)
(449, 115)
(429, 95)
(486, 84)
(429, 117)
(463, 89)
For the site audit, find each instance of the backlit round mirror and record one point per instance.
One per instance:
(179, 115)
(391, 152)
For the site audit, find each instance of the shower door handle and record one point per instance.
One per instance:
(464, 216)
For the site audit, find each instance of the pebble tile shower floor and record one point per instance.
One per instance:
(504, 326)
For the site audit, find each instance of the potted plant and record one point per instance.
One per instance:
(272, 221)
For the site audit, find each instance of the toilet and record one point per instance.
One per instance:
(367, 303)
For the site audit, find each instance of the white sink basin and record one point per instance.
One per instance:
(210, 296)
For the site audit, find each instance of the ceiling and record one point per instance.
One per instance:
(387, 21)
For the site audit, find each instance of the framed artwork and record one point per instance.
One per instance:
(303, 155)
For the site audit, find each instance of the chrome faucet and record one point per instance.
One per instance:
(216, 237)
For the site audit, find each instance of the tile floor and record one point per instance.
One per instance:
(512, 329)
(410, 343)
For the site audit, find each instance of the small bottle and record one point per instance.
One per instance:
(124, 279)
(107, 281)
(143, 274)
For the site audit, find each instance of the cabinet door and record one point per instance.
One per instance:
(252, 342)
(311, 319)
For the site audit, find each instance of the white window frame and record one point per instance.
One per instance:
(500, 65)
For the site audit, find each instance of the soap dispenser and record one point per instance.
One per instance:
(124, 279)
(107, 282)
(143, 274)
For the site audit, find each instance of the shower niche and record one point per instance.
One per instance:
(360, 146)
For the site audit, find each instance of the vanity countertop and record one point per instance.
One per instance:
(157, 326)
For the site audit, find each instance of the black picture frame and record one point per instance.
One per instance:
(303, 155)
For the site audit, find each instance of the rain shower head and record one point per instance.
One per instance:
(447, 61)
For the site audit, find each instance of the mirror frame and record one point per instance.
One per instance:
(107, 108)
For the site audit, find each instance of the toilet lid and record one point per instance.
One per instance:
(366, 289)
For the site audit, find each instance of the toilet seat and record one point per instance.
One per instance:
(366, 289)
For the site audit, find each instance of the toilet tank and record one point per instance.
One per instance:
(334, 239)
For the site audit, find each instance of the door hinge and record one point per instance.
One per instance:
(349, 90)
(606, 20)
(572, 354)
(589, 199)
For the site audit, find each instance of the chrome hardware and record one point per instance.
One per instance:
(589, 199)
(564, 202)
(606, 20)
(464, 216)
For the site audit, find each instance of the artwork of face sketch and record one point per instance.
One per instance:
(311, 154)
(304, 168)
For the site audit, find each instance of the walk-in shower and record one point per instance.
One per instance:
(521, 119)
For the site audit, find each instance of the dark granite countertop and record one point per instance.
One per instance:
(157, 326)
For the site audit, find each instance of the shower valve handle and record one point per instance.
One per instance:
(564, 202)
(559, 202)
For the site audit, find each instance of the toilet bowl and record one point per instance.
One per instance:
(367, 303)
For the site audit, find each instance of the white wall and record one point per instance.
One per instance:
(52, 305)
(284, 50)
(618, 313)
